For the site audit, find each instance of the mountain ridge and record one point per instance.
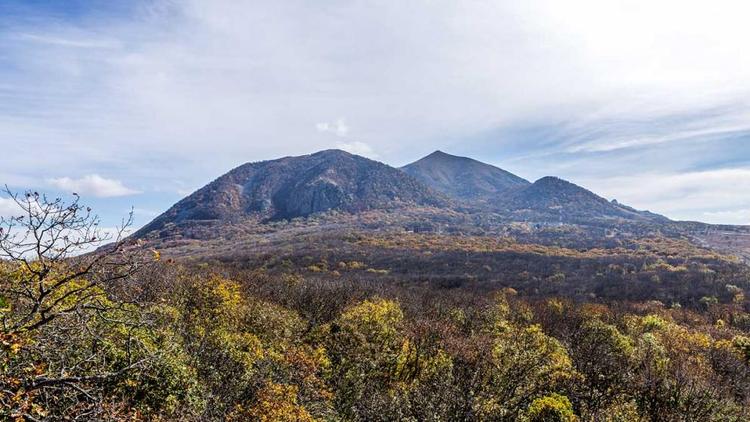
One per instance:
(335, 180)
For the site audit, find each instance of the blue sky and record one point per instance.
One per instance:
(136, 104)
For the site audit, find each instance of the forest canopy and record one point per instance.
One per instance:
(123, 333)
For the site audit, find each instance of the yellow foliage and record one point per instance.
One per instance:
(377, 318)
(557, 306)
(652, 323)
(276, 403)
(525, 362)
(315, 268)
(440, 363)
(380, 272)
(63, 292)
(355, 265)
(552, 408)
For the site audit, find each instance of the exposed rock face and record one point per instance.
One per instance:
(318, 196)
(300, 186)
(463, 178)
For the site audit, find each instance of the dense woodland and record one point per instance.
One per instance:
(366, 326)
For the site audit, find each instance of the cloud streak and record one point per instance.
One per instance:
(691, 195)
(65, 42)
(205, 85)
(93, 185)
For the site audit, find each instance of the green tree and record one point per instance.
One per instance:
(605, 357)
(551, 408)
(366, 345)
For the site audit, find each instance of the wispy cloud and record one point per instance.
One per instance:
(338, 127)
(644, 140)
(60, 41)
(359, 148)
(629, 131)
(94, 185)
(205, 85)
(702, 195)
(341, 129)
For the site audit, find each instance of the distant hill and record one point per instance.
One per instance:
(300, 186)
(463, 178)
(551, 199)
(469, 196)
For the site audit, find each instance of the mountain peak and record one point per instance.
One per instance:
(462, 177)
(556, 182)
(333, 152)
(438, 153)
(300, 186)
(444, 156)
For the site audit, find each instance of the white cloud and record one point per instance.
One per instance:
(252, 77)
(717, 196)
(209, 84)
(8, 208)
(338, 128)
(741, 217)
(358, 148)
(93, 184)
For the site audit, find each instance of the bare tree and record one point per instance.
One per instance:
(49, 235)
(58, 273)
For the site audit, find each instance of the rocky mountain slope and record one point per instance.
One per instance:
(438, 192)
(298, 187)
(463, 178)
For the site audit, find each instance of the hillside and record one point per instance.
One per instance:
(298, 187)
(551, 199)
(463, 178)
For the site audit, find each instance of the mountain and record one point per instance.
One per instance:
(553, 199)
(423, 192)
(463, 178)
(300, 186)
